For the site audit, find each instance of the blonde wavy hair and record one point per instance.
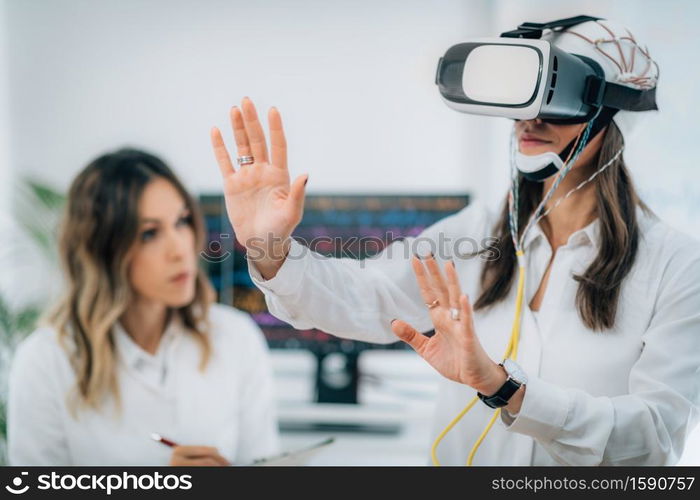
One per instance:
(98, 232)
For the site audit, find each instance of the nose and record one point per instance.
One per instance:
(178, 245)
(533, 121)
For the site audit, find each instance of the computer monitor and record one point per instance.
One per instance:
(333, 225)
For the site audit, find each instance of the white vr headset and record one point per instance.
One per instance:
(520, 76)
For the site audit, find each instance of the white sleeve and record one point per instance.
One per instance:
(358, 299)
(258, 430)
(648, 426)
(35, 431)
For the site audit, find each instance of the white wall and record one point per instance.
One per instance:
(354, 83)
(6, 170)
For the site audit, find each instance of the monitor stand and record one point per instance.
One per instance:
(337, 380)
(337, 377)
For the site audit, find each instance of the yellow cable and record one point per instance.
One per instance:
(433, 450)
(511, 351)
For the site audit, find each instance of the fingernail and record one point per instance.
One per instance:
(392, 322)
(305, 181)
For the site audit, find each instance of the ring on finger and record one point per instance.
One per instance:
(454, 313)
(434, 303)
(245, 160)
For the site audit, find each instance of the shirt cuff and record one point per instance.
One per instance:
(289, 276)
(543, 411)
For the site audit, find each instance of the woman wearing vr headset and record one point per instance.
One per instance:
(598, 348)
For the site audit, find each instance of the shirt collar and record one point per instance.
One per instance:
(590, 234)
(133, 354)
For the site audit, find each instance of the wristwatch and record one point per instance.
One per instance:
(516, 378)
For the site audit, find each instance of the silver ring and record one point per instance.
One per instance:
(432, 304)
(454, 313)
(245, 160)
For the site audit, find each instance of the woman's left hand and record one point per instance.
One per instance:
(454, 350)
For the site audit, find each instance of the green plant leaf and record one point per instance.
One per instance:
(48, 196)
(38, 212)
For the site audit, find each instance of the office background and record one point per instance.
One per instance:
(354, 84)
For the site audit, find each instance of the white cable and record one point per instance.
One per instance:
(559, 200)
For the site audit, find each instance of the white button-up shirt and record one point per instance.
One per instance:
(626, 396)
(230, 405)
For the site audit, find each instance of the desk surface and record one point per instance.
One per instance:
(397, 390)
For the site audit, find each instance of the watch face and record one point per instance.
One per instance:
(515, 371)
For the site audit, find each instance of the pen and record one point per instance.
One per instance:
(161, 439)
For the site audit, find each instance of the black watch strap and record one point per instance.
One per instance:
(503, 395)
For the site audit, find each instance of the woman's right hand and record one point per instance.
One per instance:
(264, 209)
(197, 456)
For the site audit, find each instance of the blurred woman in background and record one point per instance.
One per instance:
(137, 346)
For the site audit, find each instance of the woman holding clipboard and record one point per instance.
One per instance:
(137, 346)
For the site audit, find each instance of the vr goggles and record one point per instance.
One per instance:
(523, 77)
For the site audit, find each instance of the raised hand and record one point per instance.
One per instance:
(454, 350)
(261, 204)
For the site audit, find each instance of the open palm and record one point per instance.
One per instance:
(260, 202)
(454, 350)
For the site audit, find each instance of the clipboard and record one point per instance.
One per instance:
(294, 457)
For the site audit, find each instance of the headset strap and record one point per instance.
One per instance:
(599, 92)
(534, 30)
(623, 97)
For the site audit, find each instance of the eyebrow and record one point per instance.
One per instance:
(146, 220)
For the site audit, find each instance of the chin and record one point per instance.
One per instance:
(178, 304)
(180, 299)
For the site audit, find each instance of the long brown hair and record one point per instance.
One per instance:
(599, 286)
(99, 229)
